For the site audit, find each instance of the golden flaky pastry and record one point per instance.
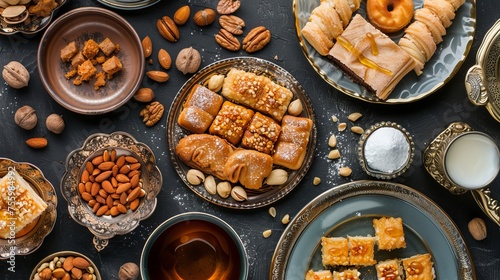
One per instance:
(19, 204)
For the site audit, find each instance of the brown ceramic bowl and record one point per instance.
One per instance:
(79, 25)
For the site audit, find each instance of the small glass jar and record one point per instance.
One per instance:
(385, 150)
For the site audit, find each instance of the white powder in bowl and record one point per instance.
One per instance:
(386, 150)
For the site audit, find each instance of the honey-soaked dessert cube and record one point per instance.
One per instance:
(389, 232)
(111, 66)
(77, 59)
(69, 51)
(361, 250)
(419, 267)
(90, 49)
(334, 251)
(319, 275)
(107, 46)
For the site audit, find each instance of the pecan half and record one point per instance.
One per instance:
(256, 39)
(226, 7)
(227, 40)
(152, 113)
(232, 24)
(168, 29)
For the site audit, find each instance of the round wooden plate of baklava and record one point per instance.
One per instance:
(252, 96)
(449, 55)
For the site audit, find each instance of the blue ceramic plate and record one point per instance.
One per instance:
(449, 56)
(349, 209)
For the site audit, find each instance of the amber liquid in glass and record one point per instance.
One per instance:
(194, 250)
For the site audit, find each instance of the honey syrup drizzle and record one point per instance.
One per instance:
(372, 43)
(364, 60)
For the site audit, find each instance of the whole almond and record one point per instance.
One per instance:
(121, 208)
(37, 142)
(134, 181)
(181, 16)
(134, 204)
(102, 210)
(106, 185)
(122, 178)
(68, 263)
(131, 159)
(97, 160)
(158, 76)
(123, 188)
(76, 273)
(134, 194)
(103, 176)
(143, 95)
(106, 165)
(147, 46)
(81, 263)
(114, 211)
(164, 59)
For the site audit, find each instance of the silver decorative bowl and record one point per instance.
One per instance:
(482, 81)
(64, 254)
(106, 226)
(402, 152)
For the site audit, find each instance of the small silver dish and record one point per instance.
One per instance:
(64, 254)
(397, 152)
(105, 227)
(482, 81)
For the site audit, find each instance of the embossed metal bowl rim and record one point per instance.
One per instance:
(380, 174)
(192, 216)
(469, 26)
(66, 254)
(45, 22)
(111, 226)
(174, 132)
(460, 136)
(31, 241)
(483, 56)
(340, 193)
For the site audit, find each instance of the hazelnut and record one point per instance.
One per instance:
(204, 17)
(25, 117)
(55, 123)
(128, 271)
(477, 228)
(16, 75)
(188, 60)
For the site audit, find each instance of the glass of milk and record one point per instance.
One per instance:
(471, 160)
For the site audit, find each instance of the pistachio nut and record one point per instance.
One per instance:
(195, 177)
(224, 189)
(239, 194)
(277, 177)
(210, 185)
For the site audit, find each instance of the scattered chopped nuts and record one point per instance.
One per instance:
(334, 154)
(286, 219)
(272, 212)
(345, 171)
(335, 119)
(357, 129)
(266, 233)
(332, 141)
(342, 126)
(316, 181)
(354, 116)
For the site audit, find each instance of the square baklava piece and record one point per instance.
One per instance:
(419, 267)
(389, 269)
(361, 250)
(291, 147)
(261, 134)
(231, 122)
(200, 108)
(389, 233)
(319, 275)
(334, 251)
(347, 274)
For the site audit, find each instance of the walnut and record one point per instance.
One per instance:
(25, 117)
(16, 75)
(128, 271)
(188, 60)
(152, 113)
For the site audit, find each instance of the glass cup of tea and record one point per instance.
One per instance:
(471, 160)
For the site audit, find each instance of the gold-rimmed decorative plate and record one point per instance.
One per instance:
(348, 209)
(27, 242)
(267, 194)
(440, 69)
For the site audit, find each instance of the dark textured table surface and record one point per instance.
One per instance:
(423, 119)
